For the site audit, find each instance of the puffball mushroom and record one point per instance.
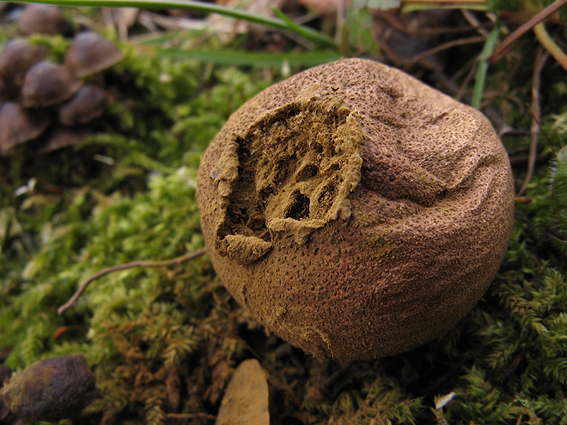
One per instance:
(354, 211)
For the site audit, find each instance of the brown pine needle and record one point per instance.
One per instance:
(166, 263)
(445, 46)
(503, 47)
(550, 45)
(536, 109)
(190, 416)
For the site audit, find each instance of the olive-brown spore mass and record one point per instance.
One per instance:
(355, 211)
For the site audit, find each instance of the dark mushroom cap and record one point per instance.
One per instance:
(43, 19)
(52, 389)
(18, 125)
(354, 211)
(17, 57)
(90, 52)
(47, 84)
(88, 103)
(59, 137)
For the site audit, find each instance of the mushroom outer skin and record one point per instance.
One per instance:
(354, 211)
(52, 389)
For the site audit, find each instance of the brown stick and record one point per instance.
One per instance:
(167, 263)
(189, 416)
(536, 110)
(444, 46)
(550, 45)
(503, 47)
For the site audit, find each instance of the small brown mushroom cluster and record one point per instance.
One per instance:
(37, 94)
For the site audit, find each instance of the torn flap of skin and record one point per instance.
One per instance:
(291, 172)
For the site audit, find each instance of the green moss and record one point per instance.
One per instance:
(520, 348)
(124, 194)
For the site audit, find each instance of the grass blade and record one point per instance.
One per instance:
(483, 67)
(240, 58)
(198, 6)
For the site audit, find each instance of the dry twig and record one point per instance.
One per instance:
(190, 416)
(444, 46)
(540, 59)
(547, 42)
(167, 263)
(503, 47)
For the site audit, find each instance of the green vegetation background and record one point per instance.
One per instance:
(166, 341)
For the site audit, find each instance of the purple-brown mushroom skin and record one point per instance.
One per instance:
(354, 211)
(51, 389)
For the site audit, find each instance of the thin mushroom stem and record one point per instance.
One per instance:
(166, 263)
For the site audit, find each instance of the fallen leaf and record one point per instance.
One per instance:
(245, 401)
